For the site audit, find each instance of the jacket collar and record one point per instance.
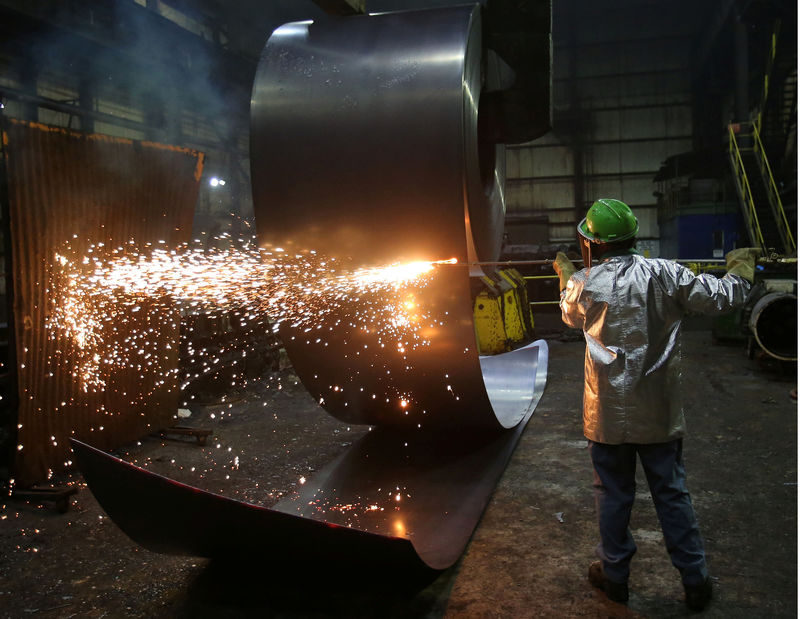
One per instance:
(631, 251)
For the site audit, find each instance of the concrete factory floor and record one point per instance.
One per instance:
(528, 556)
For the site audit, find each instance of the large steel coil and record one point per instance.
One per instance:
(365, 144)
(365, 147)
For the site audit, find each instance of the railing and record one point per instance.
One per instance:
(745, 193)
(773, 51)
(773, 195)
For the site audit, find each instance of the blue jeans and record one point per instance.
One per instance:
(615, 488)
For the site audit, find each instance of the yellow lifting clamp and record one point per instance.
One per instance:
(516, 279)
(501, 312)
(490, 331)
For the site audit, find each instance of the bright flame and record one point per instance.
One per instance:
(398, 273)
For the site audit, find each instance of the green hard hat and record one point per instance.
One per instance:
(608, 221)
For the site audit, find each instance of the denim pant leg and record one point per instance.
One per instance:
(666, 476)
(614, 491)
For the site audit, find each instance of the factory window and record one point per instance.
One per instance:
(719, 244)
(116, 108)
(183, 20)
(117, 131)
(56, 119)
(194, 24)
(13, 109)
(7, 81)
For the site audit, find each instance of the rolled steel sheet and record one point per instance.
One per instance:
(365, 146)
(364, 138)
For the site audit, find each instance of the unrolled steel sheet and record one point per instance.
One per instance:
(393, 500)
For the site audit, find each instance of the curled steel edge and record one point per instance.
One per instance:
(348, 513)
(771, 299)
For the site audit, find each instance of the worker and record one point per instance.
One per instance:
(630, 310)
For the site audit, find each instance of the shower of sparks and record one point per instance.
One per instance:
(111, 308)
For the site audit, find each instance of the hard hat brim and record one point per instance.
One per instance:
(584, 231)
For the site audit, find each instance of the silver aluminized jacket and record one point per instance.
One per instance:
(630, 309)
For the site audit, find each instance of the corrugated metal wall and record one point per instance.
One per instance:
(71, 187)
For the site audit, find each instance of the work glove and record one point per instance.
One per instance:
(742, 262)
(565, 269)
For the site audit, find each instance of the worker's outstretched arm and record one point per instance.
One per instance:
(564, 268)
(742, 262)
(707, 294)
(572, 311)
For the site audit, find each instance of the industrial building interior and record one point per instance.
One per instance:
(158, 127)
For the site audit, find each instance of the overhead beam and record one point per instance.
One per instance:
(342, 7)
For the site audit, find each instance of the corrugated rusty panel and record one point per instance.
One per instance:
(86, 189)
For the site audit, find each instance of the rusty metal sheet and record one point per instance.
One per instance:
(66, 186)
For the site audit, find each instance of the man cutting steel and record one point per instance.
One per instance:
(630, 310)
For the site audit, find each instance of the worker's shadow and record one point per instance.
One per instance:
(258, 587)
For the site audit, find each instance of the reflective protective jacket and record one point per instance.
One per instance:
(630, 309)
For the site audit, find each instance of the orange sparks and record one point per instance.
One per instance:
(112, 306)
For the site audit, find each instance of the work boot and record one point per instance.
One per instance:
(615, 591)
(698, 596)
